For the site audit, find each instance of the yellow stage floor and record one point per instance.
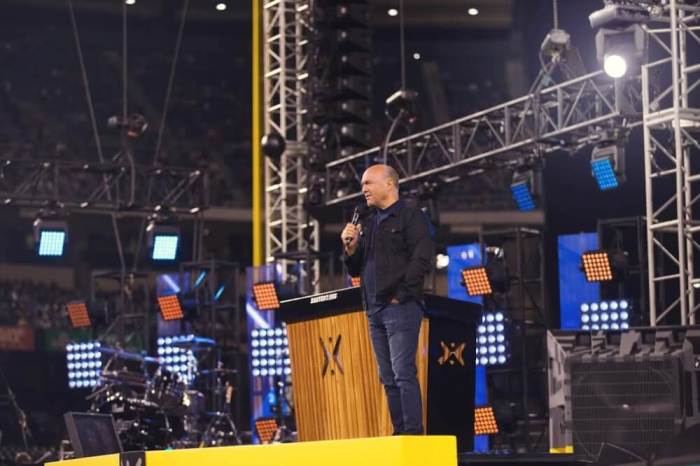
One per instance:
(381, 451)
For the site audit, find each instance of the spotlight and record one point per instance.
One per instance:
(130, 2)
(607, 165)
(522, 190)
(442, 261)
(392, 12)
(163, 241)
(170, 308)
(476, 281)
(50, 237)
(472, 11)
(78, 314)
(620, 51)
(416, 56)
(265, 295)
(220, 6)
(597, 267)
(484, 421)
(273, 145)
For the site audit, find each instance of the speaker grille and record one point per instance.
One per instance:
(631, 404)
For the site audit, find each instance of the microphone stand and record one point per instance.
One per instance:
(19, 412)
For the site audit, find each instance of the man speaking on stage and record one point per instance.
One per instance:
(392, 251)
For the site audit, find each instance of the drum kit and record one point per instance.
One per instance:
(155, 409)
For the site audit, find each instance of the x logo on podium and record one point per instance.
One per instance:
(333, 355)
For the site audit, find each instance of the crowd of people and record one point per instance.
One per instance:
(39, 305)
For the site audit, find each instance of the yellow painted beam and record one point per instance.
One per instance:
(104, 460)
(380, 451)
(419, 450)
(258, 239)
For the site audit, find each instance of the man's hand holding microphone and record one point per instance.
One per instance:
(350, 235)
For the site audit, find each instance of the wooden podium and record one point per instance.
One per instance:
(337, 393)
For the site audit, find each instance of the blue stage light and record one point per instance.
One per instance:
(604, 173)
(165, 247)
(522, 196)
(522, 189)
(50, 237)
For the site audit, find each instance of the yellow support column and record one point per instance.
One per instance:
(258, 240)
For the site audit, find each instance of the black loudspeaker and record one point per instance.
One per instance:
(631, 392)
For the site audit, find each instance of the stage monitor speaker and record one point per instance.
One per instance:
(633, 390)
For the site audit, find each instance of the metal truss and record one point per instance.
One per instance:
(288, 228)
(102, 187)
(564, 116)
(672, 172)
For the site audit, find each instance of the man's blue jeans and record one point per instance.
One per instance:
(394, 333)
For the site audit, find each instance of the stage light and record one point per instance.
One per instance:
(416, 56)
(442, 261)
(392, 12)
(265, 429)
(484, 421)
(130, 2)
(200, 279)
(621, 50)
(78, 314)
(472, 11)
(491, 342)
(605, 315)
(271, 353)
(522, 190)
(476, 281)
(170, 308)
(84, 364)
(265, 295)
(219, 292)
(163, 241)
(177, 355)
(615, 65)
(220, 6)
(50, 237)
(608, 165)
(597, 266)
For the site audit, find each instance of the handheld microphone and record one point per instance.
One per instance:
(354, 221)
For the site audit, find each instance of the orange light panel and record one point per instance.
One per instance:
(266, 429)
(78, 314)
(170, 307)
(484, 421)
(355, 281)
(265, 296)
(476, 281)
(596, 266)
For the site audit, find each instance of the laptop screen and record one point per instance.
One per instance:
(92, 434)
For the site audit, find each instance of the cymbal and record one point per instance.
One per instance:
(218, 371)
(129, 378)
(196, 344)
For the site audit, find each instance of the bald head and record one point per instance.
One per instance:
(380, 186)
